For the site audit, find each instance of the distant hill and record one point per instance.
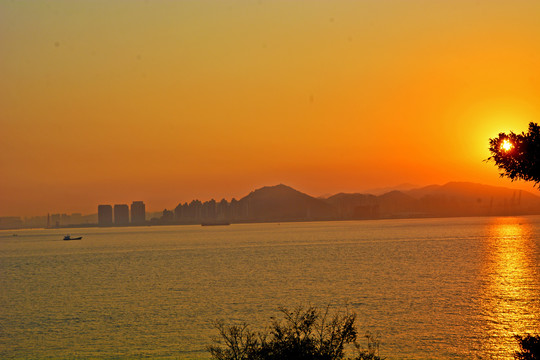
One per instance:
(384, 190)
(452, 199)
(398, 204)
(354, 206)
(469, 199)
(367, 206)
(465, 190)
(283, 203)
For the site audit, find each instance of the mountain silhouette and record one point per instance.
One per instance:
(398, 204)
(283, 203)
(383, 190)
(471, 199)
(354, 206)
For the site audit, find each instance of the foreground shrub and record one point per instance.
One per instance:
(529, 347)
(302, 334)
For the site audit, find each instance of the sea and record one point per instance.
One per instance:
(453, 288)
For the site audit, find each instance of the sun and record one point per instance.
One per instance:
(506, 145)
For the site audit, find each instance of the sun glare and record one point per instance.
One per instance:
(506, 145)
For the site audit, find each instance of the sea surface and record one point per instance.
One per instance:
(457, 288)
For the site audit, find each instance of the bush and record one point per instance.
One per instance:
(302, 334)
(529, 346)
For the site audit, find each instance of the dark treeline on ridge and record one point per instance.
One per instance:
(283, 203)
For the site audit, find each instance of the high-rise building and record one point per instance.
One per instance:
(55, 220)
(105, 215)
(138, 213)
(121, 214)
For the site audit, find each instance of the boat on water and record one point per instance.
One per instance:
(68, 237)
(216, 223)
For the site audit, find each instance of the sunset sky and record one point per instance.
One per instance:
(167, 101)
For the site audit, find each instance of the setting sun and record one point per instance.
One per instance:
(506, 145)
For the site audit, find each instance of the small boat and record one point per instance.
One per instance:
(68, 237)
(217, 223)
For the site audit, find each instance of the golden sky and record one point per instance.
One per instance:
(167, 101)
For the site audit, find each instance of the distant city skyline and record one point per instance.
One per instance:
(140, 206)
(283, 203)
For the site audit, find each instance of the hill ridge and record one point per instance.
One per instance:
(280, 203)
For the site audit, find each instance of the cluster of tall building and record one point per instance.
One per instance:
(119, 215)
(197, 211)
(47, 221)
(58, 220)
(10, 222)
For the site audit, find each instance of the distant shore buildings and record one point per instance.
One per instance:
(49, 221)
(208, 211)
(10, 222)
(120, 215)
(281, 203)
(105, 215)
(138, 213)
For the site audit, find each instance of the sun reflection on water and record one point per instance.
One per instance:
(511, 298)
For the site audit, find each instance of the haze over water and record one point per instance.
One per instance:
(436, 288)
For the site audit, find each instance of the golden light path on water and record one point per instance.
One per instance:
(510, 302)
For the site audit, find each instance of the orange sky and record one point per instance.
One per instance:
(166, 101)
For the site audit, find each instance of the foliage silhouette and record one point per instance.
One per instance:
(529, 347)
(522, 160)
(518, 157)
(302, 334)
